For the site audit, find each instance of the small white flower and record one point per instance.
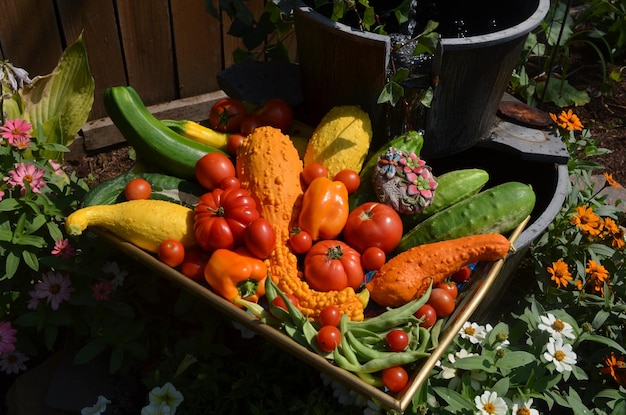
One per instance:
(448, 372)
(166, 395)
(490, 404)
(557, 328)
(560, 354)
(473, 332)
(161, 409)
(98, 408)
(111, 267)
(523, 408)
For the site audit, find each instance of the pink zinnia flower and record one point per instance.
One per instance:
(12, 362)
(21, 143)
(63, 249)
(7, 337)
(33, 303)
(15, 129)
(54, 288)
(26, 175)
(1, 194)
(102, 290)
(57, 167)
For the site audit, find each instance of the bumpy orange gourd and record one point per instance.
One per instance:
(409, 274)
(269, 168)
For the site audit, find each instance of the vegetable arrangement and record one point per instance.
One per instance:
(311, 245)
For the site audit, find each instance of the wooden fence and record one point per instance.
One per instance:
(166, 49)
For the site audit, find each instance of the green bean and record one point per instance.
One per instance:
(366, 353)
(425, 338)
(378, 364)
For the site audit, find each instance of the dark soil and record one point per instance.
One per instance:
(604, 115)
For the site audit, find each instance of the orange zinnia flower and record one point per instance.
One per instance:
(596, 271)
(559, 273)
(611, 181)
(587, 221)
(615, 232)
(567, 120)
(616, 367)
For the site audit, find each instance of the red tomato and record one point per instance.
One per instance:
(428, 313)
(227, 114)
(300, 241)
(395, 378)
(373, 258)
(222, 216)
(230, 181)
(397, 340)
(171, 252)
(450, 287)
(260, 238)
(279, 302)
(212, 168)
(249, 124)
(329, 316)
(331, 265)
(328, 338)
(234, 141)
(442, 302)
(462, 276)
(137, 189)
(276, 113)
(350, 178)
(313, 171)
(373, 224)
(194, 263)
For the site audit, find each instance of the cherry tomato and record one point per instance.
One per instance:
(331, 265)
(300, 241)
(442, 302)
(313, 171)
(328, 338)
(373, 224)
(329, 316)
(462, 276)
(194, 263)
(249, 124)
(279, 302)
(350, 178)
(428, 313)
(212, 168)
(260, 238)
(397, 340)
(227, 114)
(450, 287)
(276, 113)
(395, 378)
(373, 258)
(234, 141)
(137, 189)
(171, 252)
(230, 181)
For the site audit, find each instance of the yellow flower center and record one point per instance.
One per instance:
(558, 325)
(490, 408)
(54, 288)
(28, 178)
(523, 411)
(470, 331)
(559, 355)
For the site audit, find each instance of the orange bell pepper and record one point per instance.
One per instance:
(325, 208)
(234, 275)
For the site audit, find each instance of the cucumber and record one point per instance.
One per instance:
(411, 142)
(453, 187)
(495, 210)
(164, 187)
(153, 141)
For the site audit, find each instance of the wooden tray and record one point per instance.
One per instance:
(473, 293)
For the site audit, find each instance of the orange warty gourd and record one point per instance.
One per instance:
(408, 275)
(269, 168)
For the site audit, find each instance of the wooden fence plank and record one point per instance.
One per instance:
(96, 20)
(198, 46)
(29, 35)
(148, 49)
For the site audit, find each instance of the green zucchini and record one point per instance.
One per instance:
(411, 142)
(153, 141)
(452, 187)
(496, 210)
(164, 187)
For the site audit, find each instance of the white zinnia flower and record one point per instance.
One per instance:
(473, 332)
(489, 403)
(99, 408)
(557, 328)
(560, 354)
(523, 408)
(167, 396)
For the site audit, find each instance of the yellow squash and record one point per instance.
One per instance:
(144, 223)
